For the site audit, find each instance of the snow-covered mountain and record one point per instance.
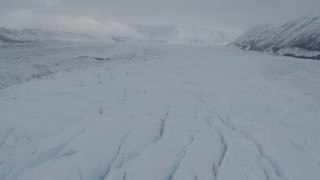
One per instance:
(187, 35)
(299, 38)
(141, 33)
(36, 35)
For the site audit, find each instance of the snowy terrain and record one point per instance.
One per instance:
(299, 38)
(133, 33)
(36, 35)
(186, 35)
(139, 111)
(21, 62)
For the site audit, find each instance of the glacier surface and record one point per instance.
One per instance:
(147, 111)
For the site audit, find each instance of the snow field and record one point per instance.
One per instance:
(164, 112)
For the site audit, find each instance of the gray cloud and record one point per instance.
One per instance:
(105, 15)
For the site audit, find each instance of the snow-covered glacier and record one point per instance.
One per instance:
(156, 111)
(299, 38)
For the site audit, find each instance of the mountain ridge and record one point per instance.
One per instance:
(299, 38)
(37, 35)
(141, 33)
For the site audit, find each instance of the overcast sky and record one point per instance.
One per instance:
(101, 15)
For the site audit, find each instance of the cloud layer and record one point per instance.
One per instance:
(105, 15)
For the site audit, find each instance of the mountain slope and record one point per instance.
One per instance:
(299, 38)
(186, 35)
(36, 35)
(138, 33)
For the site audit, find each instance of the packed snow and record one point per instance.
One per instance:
(109, 111)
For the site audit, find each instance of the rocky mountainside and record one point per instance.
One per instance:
(138, 33)
(299, 38)
(36, 35)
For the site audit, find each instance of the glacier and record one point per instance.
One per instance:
(157, 111)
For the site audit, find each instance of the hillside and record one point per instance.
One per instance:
(36, 35)
(187, 35)
(299, 38)
(137, 33)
